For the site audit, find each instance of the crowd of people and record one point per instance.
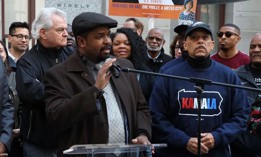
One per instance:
(64, 91)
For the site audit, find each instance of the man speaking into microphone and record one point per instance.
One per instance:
(84, 102)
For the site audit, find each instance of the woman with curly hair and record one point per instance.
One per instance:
(129, 45)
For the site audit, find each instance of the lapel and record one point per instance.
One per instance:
(75, 65)
(119, 83)
(122, 85)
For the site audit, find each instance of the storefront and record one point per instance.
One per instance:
(213, 12)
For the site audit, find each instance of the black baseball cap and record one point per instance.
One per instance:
(180, 28)
(198, 25)
(89, 20)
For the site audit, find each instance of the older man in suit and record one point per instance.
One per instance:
(80, 93)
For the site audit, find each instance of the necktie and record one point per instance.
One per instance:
(115, 119)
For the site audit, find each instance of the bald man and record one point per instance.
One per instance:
(249, 143)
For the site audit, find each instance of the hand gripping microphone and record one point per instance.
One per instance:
(114, 69)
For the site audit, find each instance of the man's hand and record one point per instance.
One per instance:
(142, 139)
(192, 146)
(208, 140)
(103, 76)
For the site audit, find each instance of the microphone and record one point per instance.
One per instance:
(114, 69)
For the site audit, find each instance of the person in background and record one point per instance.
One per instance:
(156, 57)
(135, 24)
(129, 45)
(187, 16)
(7, 110)
(107, 109)
(50, 30)
(70, 38)
(18, 39)
(180, 30)
(10, 68)
(174, 103)
(229, 55)
(249, 143)
(5, 59)
(175, 50)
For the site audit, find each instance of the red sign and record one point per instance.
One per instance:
(169, 9)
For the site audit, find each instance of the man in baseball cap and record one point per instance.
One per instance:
(222, 124)
(198, 25)
(180, 30)
(84, 102)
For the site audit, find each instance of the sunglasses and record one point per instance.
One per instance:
(227, 34)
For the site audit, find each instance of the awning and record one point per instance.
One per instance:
(217, 1)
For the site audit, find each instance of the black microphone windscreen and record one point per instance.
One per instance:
(114, 69)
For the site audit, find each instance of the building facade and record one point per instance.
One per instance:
(246, 14)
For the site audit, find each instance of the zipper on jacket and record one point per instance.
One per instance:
(30, 126)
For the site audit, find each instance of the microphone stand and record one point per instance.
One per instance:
(199, 89)
(199, 85)
(191, 79)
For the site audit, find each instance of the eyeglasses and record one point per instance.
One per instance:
(21, 36)
(177, 48)
(227, 34)
(157, 39)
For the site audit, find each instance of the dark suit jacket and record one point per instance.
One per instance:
(71, 105)
(6, 110)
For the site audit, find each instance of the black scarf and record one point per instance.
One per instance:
(199, 63)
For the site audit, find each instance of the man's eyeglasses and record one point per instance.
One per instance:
(227, 34)
(152, 38)
(21, 36)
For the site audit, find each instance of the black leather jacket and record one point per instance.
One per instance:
(30, 88)
(247, 79)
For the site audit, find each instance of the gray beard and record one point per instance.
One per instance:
(154, 50)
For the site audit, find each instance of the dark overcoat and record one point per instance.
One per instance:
(71, 105)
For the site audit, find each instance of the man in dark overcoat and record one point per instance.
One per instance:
(76, 92)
